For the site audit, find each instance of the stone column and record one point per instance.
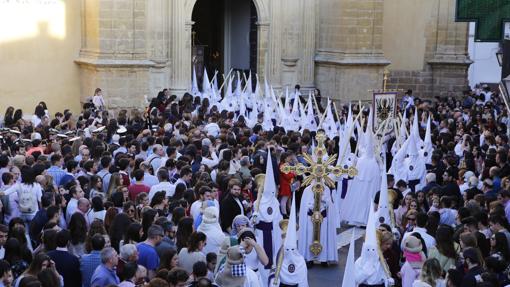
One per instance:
(180, 51)
(307, 73)
(349, 59)
(263, 47)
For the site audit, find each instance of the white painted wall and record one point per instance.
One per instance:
(485, 67)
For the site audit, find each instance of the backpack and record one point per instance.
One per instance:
(27, 200)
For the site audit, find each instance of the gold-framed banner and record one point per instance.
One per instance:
(384, 105)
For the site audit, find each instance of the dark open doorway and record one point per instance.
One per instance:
(224, 37)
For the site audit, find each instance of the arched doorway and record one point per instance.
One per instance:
(224, 36)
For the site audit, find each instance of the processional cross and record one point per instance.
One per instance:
(318, 172)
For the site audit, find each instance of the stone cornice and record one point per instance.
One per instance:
(348, 58)
(459, 60)
(117, 63)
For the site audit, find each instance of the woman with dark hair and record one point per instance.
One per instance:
(129, 208)
(13, 254)
(147, 220)
(96, 187)
(446, 250)
(159, 202)
(285, 182)
(29, 194)
(9, 117)
(169, 259)
(184, 230)
(499, 246)
(78, 231)
(18, 118)
(133, 235)
(421, 200)
(30, 281)
(177, 214)
(18, 232)
(96, 227)
(97, 212)
(109, 217)
(118, 228)
(41, 261)
(193, 252)
(38, 115)
(49, 278)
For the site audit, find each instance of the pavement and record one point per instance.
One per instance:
(332, 275)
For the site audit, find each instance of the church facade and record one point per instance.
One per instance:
(133, 48)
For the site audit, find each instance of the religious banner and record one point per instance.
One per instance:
(384, 105)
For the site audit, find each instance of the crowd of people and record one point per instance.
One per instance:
(169, 195)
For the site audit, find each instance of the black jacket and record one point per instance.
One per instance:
(228, 210)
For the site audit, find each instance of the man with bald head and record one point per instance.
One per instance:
(83, 208)
(155, 158)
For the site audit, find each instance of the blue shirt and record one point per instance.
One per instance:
(88, 265)
(103, 277)
(57, 173)
(147, 256)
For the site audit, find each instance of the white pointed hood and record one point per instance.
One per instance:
(412, 147)
(368, 141)
(383, 209)
(308, 121)
(194, 83)
(287, 101)
(416, 130)
(227, 102)
(238, 90)
(215, 82)
(267, 124)
(290, 243)
(206, 85)
(293, 269)
(427, 147)
(269, 182)
(349, 280)
(329, 124)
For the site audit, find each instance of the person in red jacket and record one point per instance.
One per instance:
(285, 182)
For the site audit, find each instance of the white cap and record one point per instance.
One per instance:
(35, 136)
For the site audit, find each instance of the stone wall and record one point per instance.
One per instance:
(445, 62)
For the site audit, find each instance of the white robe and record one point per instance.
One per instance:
(215, 236)
(368, 268)
(329, 224)
(269, 211)
(361, 191)
(415, 170)
(293, 270)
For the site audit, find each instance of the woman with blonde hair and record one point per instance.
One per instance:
(115, 182)
(409, 220)
(430, 275)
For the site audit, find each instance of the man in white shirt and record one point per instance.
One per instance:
(163, 185)
(76, 193)
(204, 194)
(213, 161)
(421, 223)
(212, 128)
